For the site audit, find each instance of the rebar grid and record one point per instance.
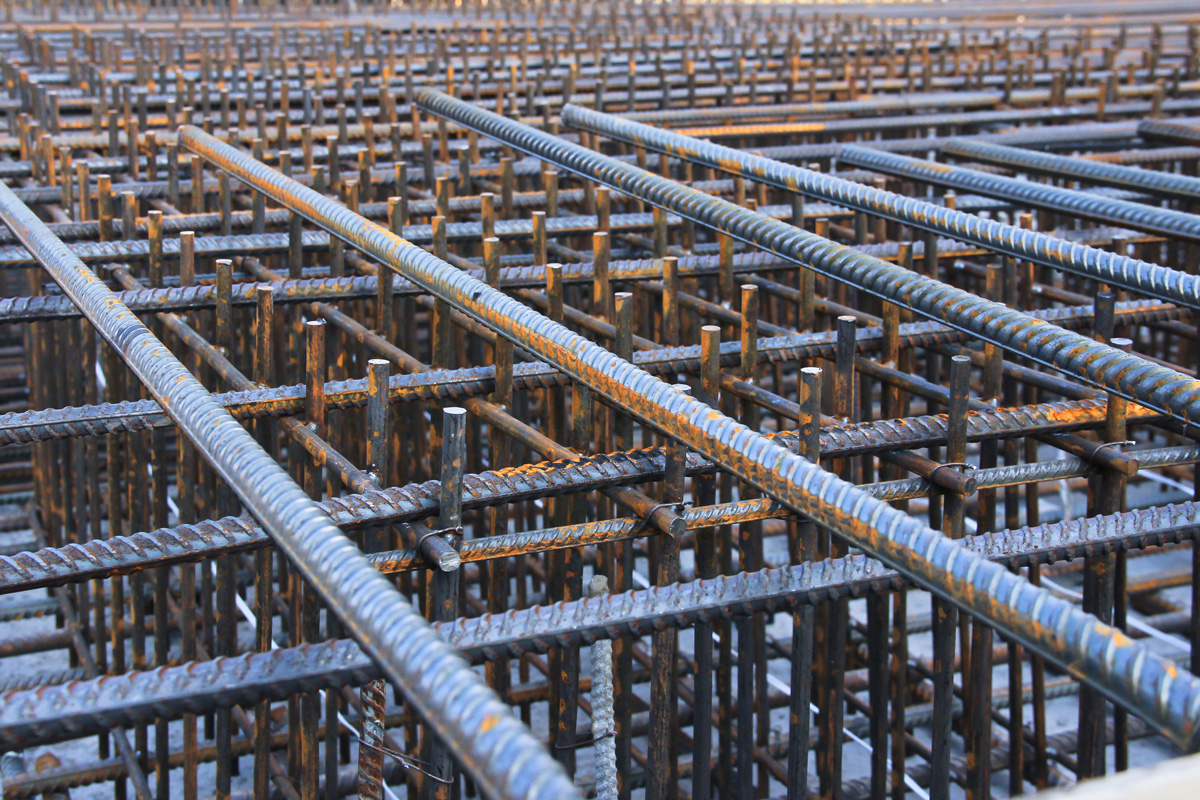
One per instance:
(877, 490)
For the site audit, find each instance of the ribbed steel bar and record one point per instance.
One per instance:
(1101, 265)
(238, 220)
(885, 103)
(102, 558)
(1163, 184)
(864, 124)
(1164, 130)
(1147, 158)
(304, 290)
(76, 709)
(1162, 221)
(112, 418)
(1100, 365)
(1147, 684)
(14, 256)
(1081, 134)
(326, 94)
(183, 544)
(496, 749)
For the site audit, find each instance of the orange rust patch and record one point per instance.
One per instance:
(753, 130)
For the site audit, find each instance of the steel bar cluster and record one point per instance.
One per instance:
(543, 399)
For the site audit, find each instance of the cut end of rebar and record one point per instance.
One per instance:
(449, 561)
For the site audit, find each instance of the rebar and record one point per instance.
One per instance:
(525, 399)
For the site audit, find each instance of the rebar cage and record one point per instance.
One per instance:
(624, 400)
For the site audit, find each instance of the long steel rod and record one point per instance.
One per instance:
(184, 543)
(304, 290)
(52, 713)
(1187, 133)
(1103, 366)
(1163, 221)
(133, 415)
(1101, 265)
(1129, 674)
(1165, 184)
(496, 749)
